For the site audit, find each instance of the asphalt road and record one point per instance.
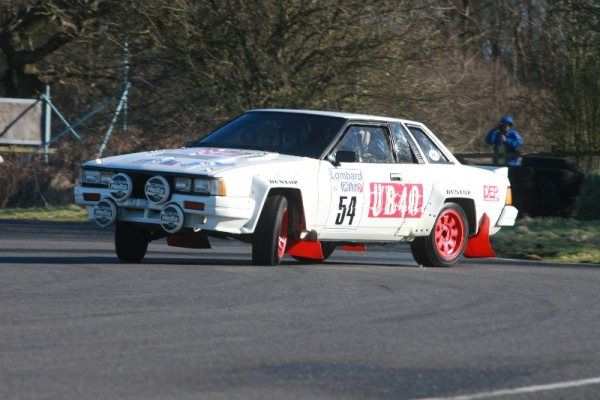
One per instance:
(188, 324)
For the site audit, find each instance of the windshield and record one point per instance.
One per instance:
(302, 135)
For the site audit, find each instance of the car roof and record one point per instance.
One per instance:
(349, 116)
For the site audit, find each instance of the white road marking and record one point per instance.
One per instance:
(520, 390)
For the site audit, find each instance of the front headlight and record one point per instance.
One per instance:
(215, 187)
(105, 177)
(90, 176)
(95, 177)
(202, 186)
(183, 184)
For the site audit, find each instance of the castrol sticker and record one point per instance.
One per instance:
(396, 200)
(490, 193)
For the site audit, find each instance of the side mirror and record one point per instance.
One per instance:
(190, 143)
(348, 156)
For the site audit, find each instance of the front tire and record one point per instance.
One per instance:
(131, 242)
(271, 234)
(447, 241)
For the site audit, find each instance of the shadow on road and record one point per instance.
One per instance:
(174, 261)
(53, 256)
(112, 260)
(57, 260)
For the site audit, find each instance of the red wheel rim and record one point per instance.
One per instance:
(283, 234)
(449, 234)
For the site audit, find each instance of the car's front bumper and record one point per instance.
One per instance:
(220, 213)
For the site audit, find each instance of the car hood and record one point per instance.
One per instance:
(199, 160)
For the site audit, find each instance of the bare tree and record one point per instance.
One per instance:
(232, 55)
(30, 31)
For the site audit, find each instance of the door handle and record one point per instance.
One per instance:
(396, 177)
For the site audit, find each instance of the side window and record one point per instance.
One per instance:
(369, 142)
(404, 153)
(432, 152)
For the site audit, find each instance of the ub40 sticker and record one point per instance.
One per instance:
(396, 200)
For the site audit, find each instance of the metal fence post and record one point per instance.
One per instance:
(125, 82)
(111, 126)
(47, 124)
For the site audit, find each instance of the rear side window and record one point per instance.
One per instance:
(432, 152)
(403, 151)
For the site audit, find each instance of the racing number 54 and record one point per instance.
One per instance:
(348, 210)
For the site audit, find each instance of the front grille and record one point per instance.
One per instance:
(139, 179)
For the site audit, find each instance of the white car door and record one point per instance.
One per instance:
(430, 166)
(359, 200)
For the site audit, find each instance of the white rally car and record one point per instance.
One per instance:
(302, 183)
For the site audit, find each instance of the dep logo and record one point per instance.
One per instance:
(490, 193)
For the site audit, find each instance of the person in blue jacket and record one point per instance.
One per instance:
(504, 134)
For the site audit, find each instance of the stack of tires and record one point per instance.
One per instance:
(546, 186)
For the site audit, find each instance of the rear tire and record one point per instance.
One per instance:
(447, 241)
(131, 242)
(270, 237)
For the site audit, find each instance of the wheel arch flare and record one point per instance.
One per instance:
(263, 187)
(444, 192)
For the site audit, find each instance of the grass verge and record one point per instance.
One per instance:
(551, 239)
(70, 213)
